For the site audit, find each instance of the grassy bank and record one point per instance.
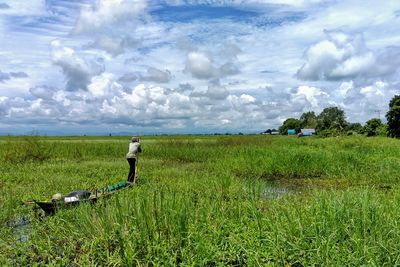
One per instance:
(203, 201)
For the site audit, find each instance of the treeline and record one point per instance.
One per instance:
(332, 122)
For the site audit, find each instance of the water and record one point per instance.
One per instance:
(276, 191)
(270, 190)
(21, 228)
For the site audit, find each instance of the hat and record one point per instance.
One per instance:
(135, 139)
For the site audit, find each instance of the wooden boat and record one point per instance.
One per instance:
(79, 197)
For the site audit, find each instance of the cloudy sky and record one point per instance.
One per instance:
(186, 66)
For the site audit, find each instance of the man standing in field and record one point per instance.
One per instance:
(134, 148)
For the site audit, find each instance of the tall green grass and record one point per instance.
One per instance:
(202, 201)
(166, 228)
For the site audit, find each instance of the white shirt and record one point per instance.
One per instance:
(134, 148)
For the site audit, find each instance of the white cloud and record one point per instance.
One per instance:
(345, 56)
(43, 92)
(345, 87)
(106, 100)
(114, 45)
(374, 91)
(351, 67)
(104, 86)
(227, 63)
(199, 65)
(108, 12)
(365, 102)
(77, 70)
(216, 92)
(156, 75)
(340, 56)
(152, 75)
(310, 97)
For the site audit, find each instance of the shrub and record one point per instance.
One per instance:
(330, 133)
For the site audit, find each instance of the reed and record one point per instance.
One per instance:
(205, 201)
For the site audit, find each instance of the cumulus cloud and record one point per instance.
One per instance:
(345, 56)
(156, 75)
(114, 45)
(107, 101)
(152, 74)
(139, 48)
(199, 65)
(228, 69)
(216, 91)
(202, 66)
(108, 12)
(185, 87)
(309, 97)
(77, 70)
(339, 56)
(43, 92)
(147, 103)
(364, 101)
(129, 77)
(104, 85)
(211, 63)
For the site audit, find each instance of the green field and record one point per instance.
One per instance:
(205, 201)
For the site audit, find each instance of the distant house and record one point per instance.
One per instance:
(291, 131)
(307, 132)
(275, 133)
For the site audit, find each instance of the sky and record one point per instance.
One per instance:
(74, 67)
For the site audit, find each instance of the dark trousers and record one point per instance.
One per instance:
(132, 165)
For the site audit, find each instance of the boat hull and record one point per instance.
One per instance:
(50, 207)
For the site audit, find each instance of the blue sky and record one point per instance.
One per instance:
(175, 66)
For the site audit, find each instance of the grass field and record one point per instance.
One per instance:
(205, 201)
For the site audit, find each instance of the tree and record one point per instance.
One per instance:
(355, 127)
(393, 117)
(382, 130)
(372, 126)
(309, 120)
(290, 123)
(332, 118)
